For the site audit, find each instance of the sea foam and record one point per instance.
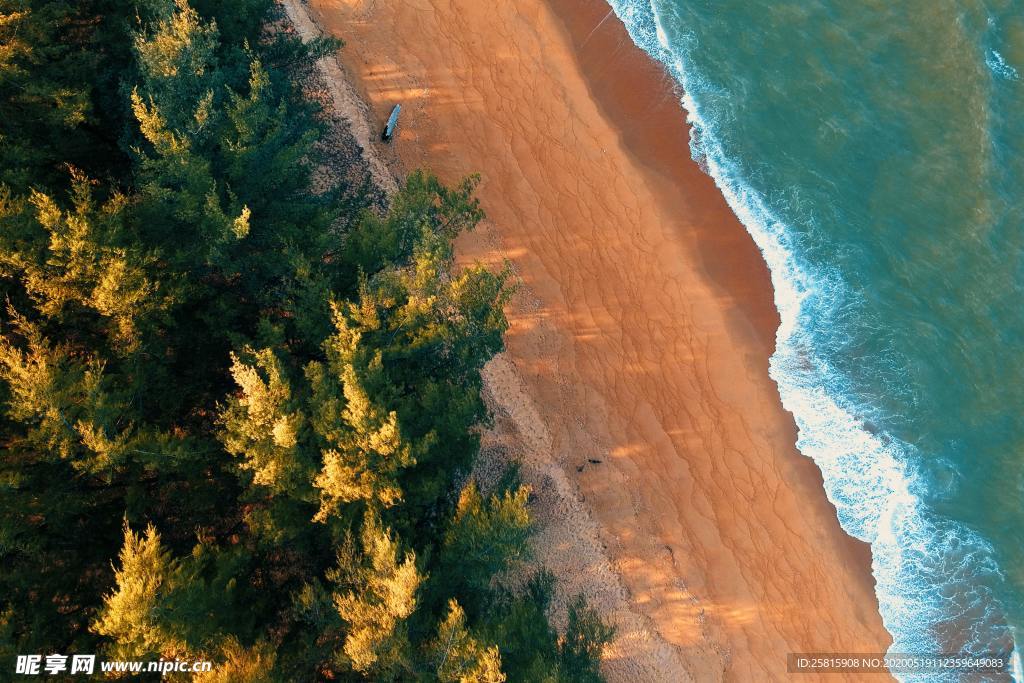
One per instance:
(918, 562)
(998, 65)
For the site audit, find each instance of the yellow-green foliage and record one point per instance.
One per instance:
(368, 451)
(131, 614)
(459, 657)
(384, 596)
(90, 260)
(484, 537)
(263, 421)
(277, 381)
(238, 664)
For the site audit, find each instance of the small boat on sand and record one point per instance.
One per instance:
(389, 129)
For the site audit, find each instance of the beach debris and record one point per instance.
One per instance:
(392, 124)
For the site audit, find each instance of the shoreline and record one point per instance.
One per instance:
(728, 255)
(640, 339)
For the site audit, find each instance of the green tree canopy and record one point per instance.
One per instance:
(239, 409)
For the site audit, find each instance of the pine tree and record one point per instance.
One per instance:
(132, 615)
(239, 664)
(423, 205)
(585, 639)
(281, 380)
(459, 657)
(85, 266)
(263, 425)
(188, 607)
(531, 649)
(45, 97)
(367, 450)
(67, 404)
(517, 621)
(377, 594)
(433, 331)
(484, 538)
(176, 54)
(265, 146)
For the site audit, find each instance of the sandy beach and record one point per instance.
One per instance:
(635, 385)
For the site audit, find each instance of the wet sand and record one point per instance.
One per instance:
(635, 383)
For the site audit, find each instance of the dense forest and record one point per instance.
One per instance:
(239, 406)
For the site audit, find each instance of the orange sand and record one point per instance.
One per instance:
(640, 338)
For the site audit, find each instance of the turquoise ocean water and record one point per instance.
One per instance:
(873, 149)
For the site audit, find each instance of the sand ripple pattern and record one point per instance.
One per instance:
(635, 386)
